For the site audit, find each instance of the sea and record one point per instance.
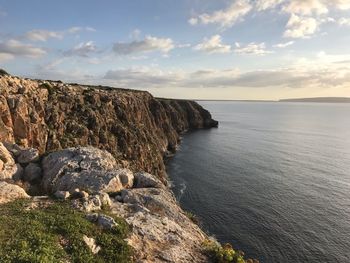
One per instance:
(273, 179)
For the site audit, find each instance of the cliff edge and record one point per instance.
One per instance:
(136, 128)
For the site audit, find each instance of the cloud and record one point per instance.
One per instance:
(344, 21)
(342, 4)
(262, 5)
(149, 44)
(297, 76)
(82, 49)
(252, 49)
(16, 48)
(5, 57)
(306, 7)
(142, 77)
(44, 35)
(284, 45)
(226, 18)
(301, 27)
(213, 45)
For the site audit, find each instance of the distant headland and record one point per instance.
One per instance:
(319, 100)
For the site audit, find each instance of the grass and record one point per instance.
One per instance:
(192, 217)
(55, 234)
(224, 253)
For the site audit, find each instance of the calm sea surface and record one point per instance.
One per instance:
(273, 179)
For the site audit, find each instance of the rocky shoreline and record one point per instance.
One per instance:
(88, 145)
(101, 152)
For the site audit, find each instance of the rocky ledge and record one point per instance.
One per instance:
(91, 180)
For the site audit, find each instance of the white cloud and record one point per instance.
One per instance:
(262, 5)
(226, 17)
(306, 7)
(344, 21)
(342, 4)
(44, 35)
(213, 45)
(149, 44)
(284, 45)
(16, 48)
(138, 77)
(301, 27)
(299, 75)
(82, 49)
(252, 49)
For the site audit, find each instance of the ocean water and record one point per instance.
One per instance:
(273, 179)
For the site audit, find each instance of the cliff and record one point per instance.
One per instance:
(136, 128)
(111, 211)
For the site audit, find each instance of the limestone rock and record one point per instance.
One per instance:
(11, 192)
(76, 193)
(8, 167)
(63, 195)
(146, 180)
(106, 222)
(161, 232)
(91, 243)
(28, 155)
(32, 172)
(85, 168)
(89, 204)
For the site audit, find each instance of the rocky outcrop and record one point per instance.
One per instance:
(11, 192)
(87, 169)
(136, 128)
(161, 232)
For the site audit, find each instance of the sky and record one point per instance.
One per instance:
(196, 49)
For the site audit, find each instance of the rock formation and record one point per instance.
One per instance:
(100, 147)
(136, 128)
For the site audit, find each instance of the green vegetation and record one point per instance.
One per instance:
(54, 233)
(225, 253)
(3, 72)
(47, 86)
(192, 217)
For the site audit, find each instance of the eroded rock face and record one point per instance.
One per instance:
(85, 168)
(11, 192)
(8, 167)
(133, 126)
(161, 232)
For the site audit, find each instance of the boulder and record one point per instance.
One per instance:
(13, 148)
(11, 192)
(146, 180)
(91, 243)
(106, 222)
(28, 155)
(63, 195)
(92, 202)
(86, 168)
(8, 167)
(32, 172)
(89, 204)
(19, 174)
(76, 193)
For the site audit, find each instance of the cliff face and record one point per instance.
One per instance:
(136, 128)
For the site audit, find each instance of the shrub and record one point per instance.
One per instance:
(224, 253)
